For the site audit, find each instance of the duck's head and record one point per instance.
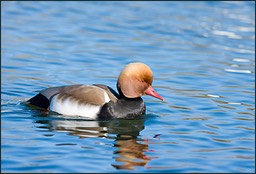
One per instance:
(136, 80)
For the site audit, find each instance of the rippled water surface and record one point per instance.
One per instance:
(202, 55)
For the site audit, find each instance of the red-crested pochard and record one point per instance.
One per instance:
(100, 101)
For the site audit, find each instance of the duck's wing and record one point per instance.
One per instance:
(82, 94)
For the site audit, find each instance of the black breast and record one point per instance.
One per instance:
(123, 108)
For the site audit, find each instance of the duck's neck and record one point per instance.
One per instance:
(122, 96)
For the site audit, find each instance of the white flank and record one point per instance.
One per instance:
(72, 108)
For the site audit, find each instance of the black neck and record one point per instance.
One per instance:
(121, 95)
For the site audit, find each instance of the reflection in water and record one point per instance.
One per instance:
(81, 128)
(129, 152)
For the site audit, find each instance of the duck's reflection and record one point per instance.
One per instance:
(130, 153)
(130, 149)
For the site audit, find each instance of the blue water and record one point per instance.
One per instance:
(203, 58)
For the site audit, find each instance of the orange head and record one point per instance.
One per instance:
(136, 80)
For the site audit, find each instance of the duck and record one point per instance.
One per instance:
(98, 101)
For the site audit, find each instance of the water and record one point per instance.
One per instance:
(202, 55)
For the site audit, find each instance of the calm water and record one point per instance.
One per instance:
(202, 55)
